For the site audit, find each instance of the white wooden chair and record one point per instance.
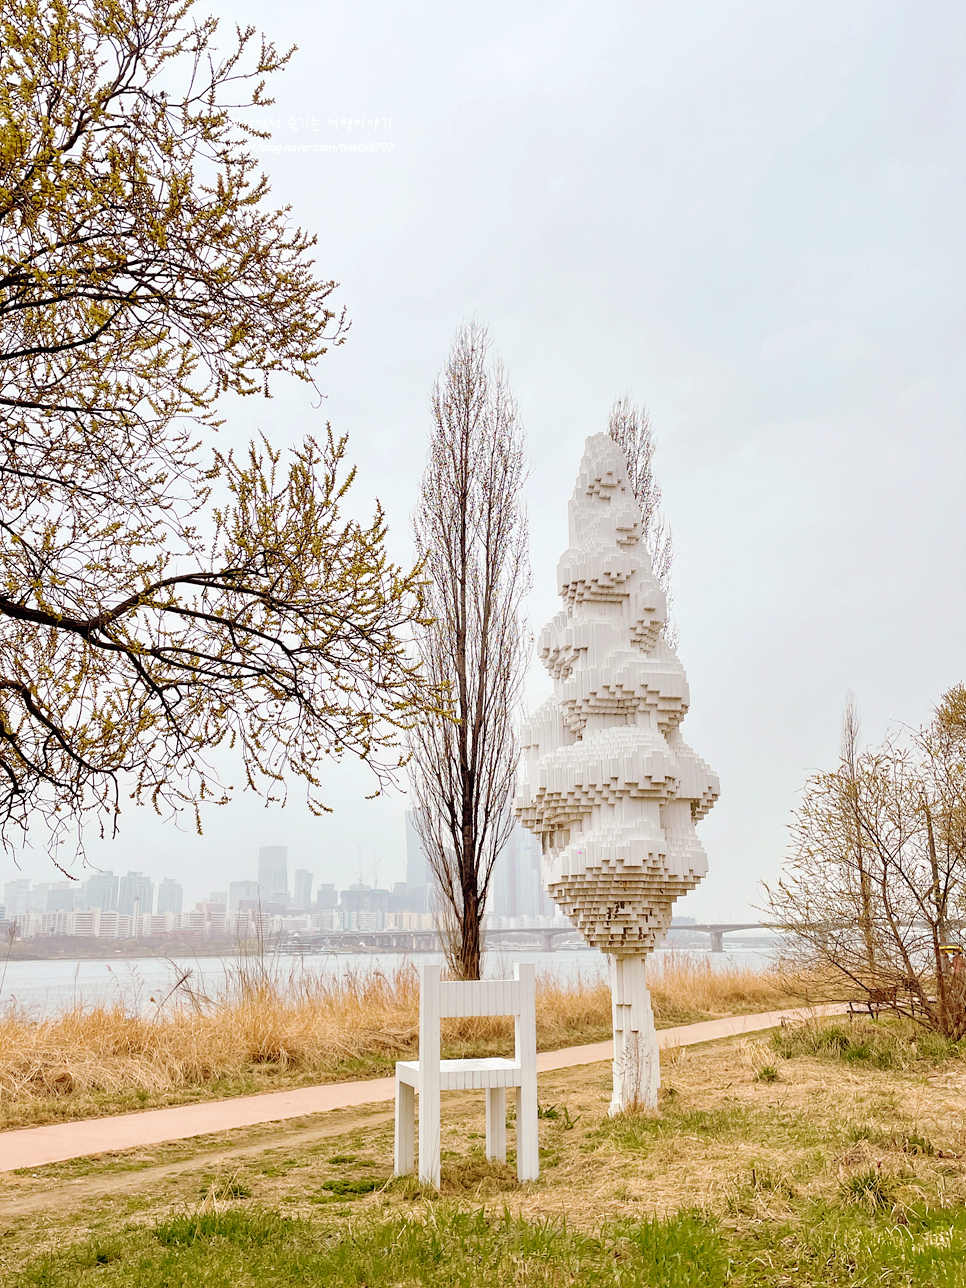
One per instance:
(429, 1075)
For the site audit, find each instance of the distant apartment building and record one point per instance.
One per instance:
(84, 922)
(62, 896)
(303, 887)
(100, 891)
(242, 896)
(37, 897)
(406, 898)
(160, 923)
(410, 921)
(135, 888)
(209, 915)
(363, 898)
(87, 922)
(170, 896)
(57, 923)
(273, 872)
(15, 896)
(329, 919)
(326, 897)
(364, 907)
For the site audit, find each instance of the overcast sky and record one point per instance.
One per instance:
(749, 215)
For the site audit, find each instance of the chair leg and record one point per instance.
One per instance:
(496, 1124)
(528, 1148)
(405, 1143)
(429, 1138)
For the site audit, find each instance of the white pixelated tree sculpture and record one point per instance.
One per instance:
(611, 789)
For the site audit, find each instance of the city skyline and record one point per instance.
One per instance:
(517, 890)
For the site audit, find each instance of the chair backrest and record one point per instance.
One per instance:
(439, 999)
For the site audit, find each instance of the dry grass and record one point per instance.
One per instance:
(271, 1026)
(686, 989)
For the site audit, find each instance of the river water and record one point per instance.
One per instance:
(142, 983)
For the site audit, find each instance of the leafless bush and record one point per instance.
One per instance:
(874, 895)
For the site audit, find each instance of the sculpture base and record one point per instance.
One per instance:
(637, 1066)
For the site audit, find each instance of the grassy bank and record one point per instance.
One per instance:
(273, 1026)
(842, 1166)
(459, 1249)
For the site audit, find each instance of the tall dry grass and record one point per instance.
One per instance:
(271, 1025)
(685, 989)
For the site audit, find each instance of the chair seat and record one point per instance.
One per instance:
(466, 1075)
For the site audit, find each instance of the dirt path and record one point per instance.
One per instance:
(15, 1203)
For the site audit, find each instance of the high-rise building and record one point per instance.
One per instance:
(37, 897)
(62, 896)
(406, 898)
(100, 891)
(364, 907)
(326, 897)
(170, 896)
(419, 878)
(517, 887)
(15, 896)
(242, 895)
(135, 887)
(303, 887)
(273, 871)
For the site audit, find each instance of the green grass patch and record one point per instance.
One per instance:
(893, 1044)
(354, 1185)
(852, 1247)
(869, 1189)
(453, 1249)
(824, 1247)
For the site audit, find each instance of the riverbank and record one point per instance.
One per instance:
(56, 948)
(269, 1025)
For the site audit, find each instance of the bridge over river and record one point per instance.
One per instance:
(538, 938)
(718, 929)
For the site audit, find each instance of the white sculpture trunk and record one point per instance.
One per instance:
(637, 1064)
(612, 789)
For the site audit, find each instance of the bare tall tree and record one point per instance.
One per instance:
(630, 428)
(471, 531)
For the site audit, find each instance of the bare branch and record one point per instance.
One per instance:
(630, 427)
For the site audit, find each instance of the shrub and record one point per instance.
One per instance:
(870, 1189)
